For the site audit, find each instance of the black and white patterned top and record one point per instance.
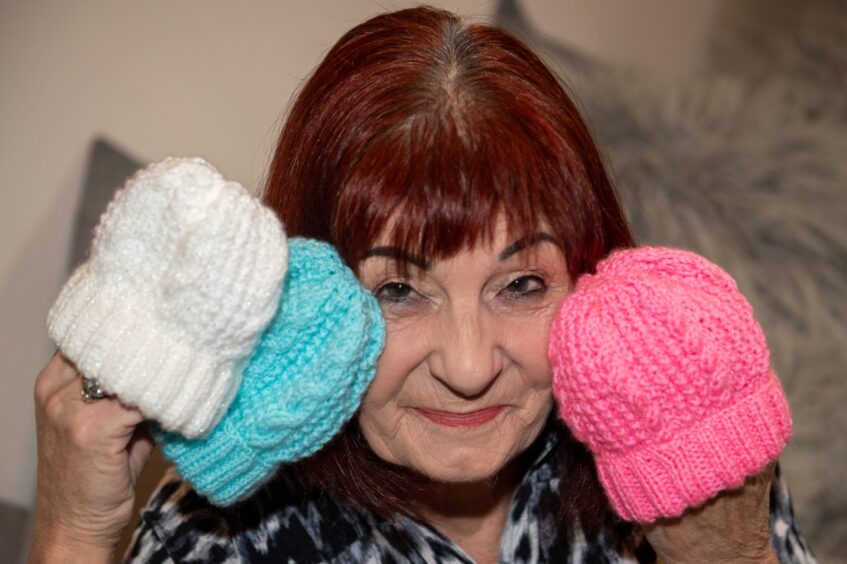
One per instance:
(180, 526)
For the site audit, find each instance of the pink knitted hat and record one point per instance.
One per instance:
(661, 368)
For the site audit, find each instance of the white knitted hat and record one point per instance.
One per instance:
(184, 274)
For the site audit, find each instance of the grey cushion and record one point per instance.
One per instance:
(108, 169)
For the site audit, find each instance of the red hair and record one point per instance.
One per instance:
(414, 115)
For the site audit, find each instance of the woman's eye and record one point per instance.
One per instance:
(394, 292)
(526, 286)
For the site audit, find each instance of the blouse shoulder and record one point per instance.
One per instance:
(180, 526)
(786, 539)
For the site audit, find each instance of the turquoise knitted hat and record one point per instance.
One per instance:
(304, 380)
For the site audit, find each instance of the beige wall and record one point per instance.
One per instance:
(191, 77)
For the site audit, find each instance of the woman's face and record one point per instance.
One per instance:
(463, 384)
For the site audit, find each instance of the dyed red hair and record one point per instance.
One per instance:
(444, 126)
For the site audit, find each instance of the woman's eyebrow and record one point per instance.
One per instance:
(400, 255)
(397, 254)
(525, 242)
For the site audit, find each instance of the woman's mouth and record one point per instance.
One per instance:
(453, 419)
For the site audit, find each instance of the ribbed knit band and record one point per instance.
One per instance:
(221, 465)
(97, 329)
(184, 274)
(302, 384)
(664, 479)
(661, 369)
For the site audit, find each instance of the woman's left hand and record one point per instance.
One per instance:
(732, 527)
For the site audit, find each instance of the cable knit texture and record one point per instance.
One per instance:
(184, 274)
(304, 381)
(661, 368)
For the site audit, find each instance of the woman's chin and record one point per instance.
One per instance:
(461, 468)
(443, 461)
(450, 453)
(472, 460)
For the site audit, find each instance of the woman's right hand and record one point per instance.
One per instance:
(89, 457)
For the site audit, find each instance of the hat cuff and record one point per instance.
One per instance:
(698, 463)
(220, 466)
(117, 339)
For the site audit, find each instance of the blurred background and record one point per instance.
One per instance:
(724, 124)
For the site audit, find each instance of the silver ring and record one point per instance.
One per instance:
(91, 390)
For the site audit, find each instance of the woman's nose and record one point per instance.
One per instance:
(466, 359)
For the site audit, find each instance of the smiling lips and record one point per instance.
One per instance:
(452, 419)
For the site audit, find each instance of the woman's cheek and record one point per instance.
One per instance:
(381, 416)
(528, 337)
(404, 350)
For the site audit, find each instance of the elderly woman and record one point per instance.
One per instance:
(456, 178)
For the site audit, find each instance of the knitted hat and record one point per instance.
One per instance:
(304, 381)
(661, 368)
(184, 274)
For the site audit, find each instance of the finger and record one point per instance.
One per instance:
(770, 471)
(112, 419)
(72, 391)
(56, 374)
(760, 481)
(140, 448)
